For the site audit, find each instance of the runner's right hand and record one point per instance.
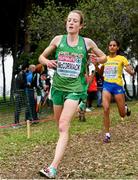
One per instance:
(52, 64)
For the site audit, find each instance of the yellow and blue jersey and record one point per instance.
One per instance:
(113, 69)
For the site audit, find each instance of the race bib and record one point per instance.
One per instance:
(69, 65)
(110, 72)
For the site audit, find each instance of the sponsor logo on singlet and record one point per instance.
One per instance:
(69, 64)
(110, 72)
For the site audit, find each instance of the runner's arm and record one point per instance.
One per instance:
(129, 69)
(43, 58)
(100, 55)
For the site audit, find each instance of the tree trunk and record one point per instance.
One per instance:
(26, 21)
(133, 86)
(15, 49)
(125, 87)
(137, 85)
(3, 72)
(136, 71)
(14, 55)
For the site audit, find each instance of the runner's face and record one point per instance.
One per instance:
(73, 23)
(113, 47)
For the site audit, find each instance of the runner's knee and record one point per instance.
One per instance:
(63, 126)
(106, 109)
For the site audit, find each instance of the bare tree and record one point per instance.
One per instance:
(3, 73)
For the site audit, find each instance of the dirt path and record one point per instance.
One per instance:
(86, 157)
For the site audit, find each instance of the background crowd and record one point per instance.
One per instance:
(32, 86)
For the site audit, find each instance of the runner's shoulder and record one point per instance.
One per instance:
(56, 40)
(89, 43)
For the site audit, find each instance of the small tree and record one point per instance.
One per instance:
(45, 23)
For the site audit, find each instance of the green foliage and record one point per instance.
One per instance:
(41, 46)
(104, 20)
(24, 57)
(45, 24)
(109, 19)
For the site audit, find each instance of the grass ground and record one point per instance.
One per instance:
(86, 156)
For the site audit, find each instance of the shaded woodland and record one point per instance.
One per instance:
(26, 26)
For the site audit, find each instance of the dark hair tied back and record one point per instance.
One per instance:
(119, 51)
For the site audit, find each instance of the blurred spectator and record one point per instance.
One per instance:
(38, 84)
(31, 113)
(99, 79)
(45, 80)
(92, 88)
(19, 95)
(49, 82)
